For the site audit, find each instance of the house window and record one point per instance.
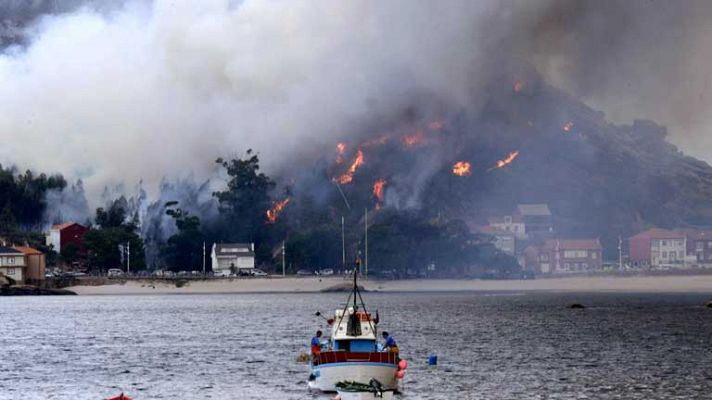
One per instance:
(594, 255)
(11, 260)
(575, 253)
(664, 243)
(11, 271)
(673, 256)
(699, 246)
(680, 255)
(507, 220)
(544, 257)
(709, 244)
(665, 254)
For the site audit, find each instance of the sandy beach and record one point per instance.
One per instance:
(660, 284)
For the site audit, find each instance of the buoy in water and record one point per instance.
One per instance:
(433, 359)
(577, 306)
(400, 374)
(402, 364)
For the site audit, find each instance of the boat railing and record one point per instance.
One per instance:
(330, 357)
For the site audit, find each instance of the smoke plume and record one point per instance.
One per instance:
(113, 92)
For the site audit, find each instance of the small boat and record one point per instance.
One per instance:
(361, 391)
(352, 352)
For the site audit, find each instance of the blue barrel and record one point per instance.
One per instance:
(433, 359)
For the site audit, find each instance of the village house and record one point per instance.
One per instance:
(699, 246)
(504, 240)
(65, 234)
(537, 219)
(12, 264)
(34, 264)
(556, 256)
(657, 248)
(228, 258)
(509, 223)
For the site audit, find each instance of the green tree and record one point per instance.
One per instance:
(243, 203)
(103, 242)
(184, 250)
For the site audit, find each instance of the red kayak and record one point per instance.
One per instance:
(120, 397)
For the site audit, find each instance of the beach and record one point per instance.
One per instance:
(635, 284)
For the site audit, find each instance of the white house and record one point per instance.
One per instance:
(12, 263)
(232, 257)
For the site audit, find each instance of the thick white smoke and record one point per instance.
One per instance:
(154, 90)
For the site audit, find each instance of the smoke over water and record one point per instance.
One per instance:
(142, 91)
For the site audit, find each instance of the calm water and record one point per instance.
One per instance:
(504, 346)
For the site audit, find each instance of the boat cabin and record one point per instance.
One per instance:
(353, 331)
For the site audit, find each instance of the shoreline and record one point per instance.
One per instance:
(637, 284)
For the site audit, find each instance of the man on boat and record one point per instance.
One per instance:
(316, 344)
(390, 345)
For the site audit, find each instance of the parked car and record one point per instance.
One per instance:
(196, 273)
(304, 272)
(114, 272)
(326, 272)
(258, 272)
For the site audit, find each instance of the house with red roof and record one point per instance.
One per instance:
(65, 234)
(657, 247)
(557, 256)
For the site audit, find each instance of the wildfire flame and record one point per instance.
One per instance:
(414, 139)
(378, 187)
(349, 175)
(462, 168)
(568, 126)
(508, 160)
(273, 213)
(340, 149)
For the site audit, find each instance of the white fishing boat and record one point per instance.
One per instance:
(352, 352)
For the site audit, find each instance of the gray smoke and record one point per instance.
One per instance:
(140, 91)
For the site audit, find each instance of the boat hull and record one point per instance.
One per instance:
(326, 376)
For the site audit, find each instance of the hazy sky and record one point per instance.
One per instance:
(121, 92)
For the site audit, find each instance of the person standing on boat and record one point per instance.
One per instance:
(390, 345)
(316, 344)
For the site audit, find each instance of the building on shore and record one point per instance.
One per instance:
(699, 246)
(505, 241)
(537, 219)
(35, 264)
(69, 233)
(560, 256)
(12, 264)
(229, 258)
(657, 248)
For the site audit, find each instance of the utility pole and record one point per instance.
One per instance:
(284, 264)
(620, 253)
(343, 246)
(365, 234)
(203, 258)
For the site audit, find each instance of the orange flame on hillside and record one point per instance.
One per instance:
(462, 168)
(349, 175)
(508, 160)
(411, 140)
(273, 213)
(340, 149)
(568, 126)
(378, 187)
